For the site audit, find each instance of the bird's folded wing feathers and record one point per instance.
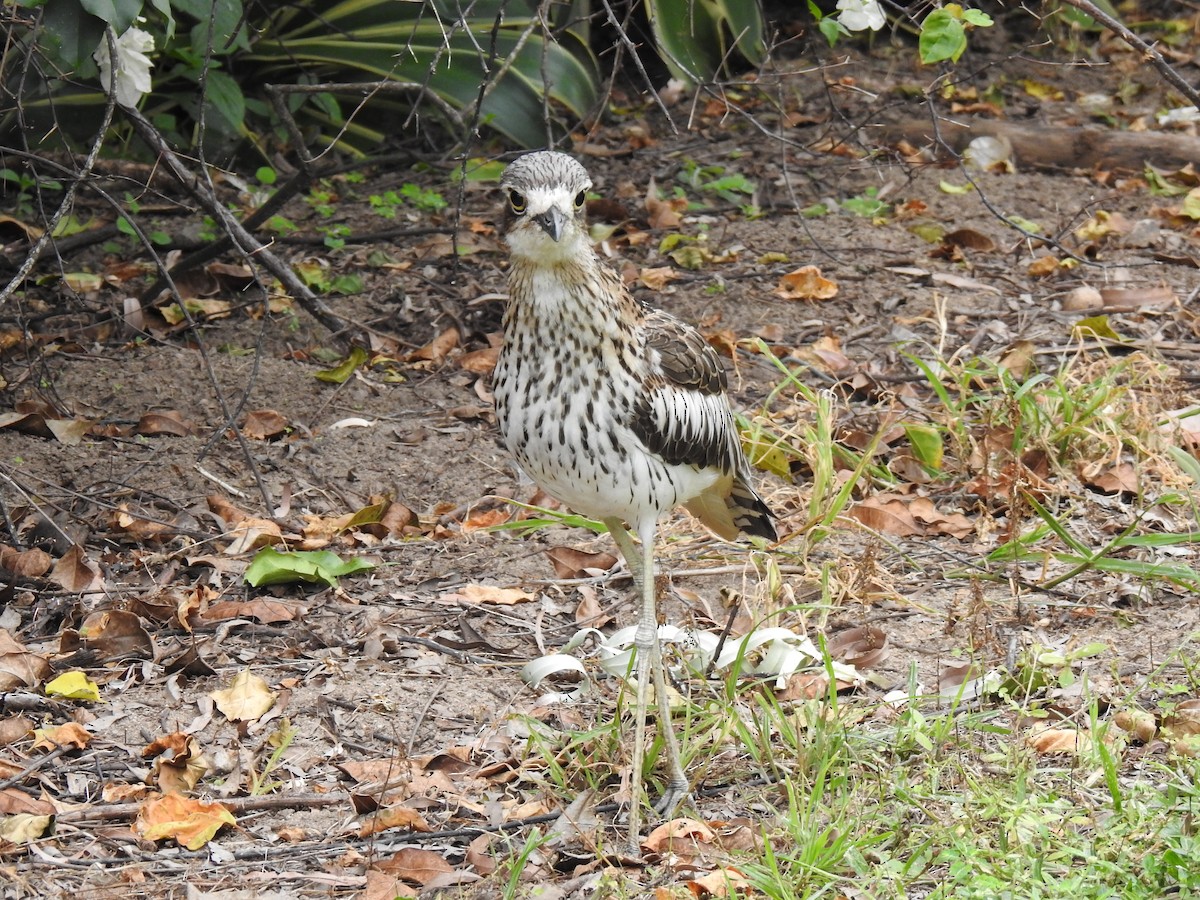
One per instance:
(685, 358)
(683, 415)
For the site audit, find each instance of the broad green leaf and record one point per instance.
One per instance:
(1095, 326)
(269, 566)
(341, 373)
(225, 16)
(120, 14)
(225, 99)
(694, 37)
(1191, 204)
(942, 37)
(69, 36)
(926, 444)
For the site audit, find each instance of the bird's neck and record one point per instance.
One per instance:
(577, 293)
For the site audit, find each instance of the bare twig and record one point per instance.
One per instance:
(119, 811)
(68, 199)
(1152, 56)
(245, 241)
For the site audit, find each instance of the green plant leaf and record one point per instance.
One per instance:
(341, 373)
(225, 98)
(927, 445)
(69, 35)
(120, 14)
(269, 566)
(694, 37)
(942, 37)
(363, 37)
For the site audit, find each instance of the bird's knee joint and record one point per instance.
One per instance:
(645, 637)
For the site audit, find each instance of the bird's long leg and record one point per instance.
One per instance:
(677, 786)
(649, 657)
(624, 542)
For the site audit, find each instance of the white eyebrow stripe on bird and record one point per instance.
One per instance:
(538, 200)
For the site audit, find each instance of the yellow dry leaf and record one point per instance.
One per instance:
(806, 283)
(73, 686)
(71, 734)
(23, 828)
(247, 699)
(487, 593)
(189, 822)
(1041, 91)
(656, 279)
(1060, 740)
(1043, 266)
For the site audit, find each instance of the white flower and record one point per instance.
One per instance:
(859, 15)
(133, 65)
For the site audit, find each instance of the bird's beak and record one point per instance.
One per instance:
(553, 221)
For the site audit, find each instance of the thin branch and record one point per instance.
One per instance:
(245, 241)
(68, 199)
(1152, 56)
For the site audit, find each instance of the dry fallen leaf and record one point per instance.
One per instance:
(663, 213)
(382, 886)
(14, 802)
(862, 647)
(1155, 297)
(32, 563)
(415, 866)
(887, 515)
(393, 817)
(677, 833)
(263, 609)
(170, 422)
(23, 828)
(179, 763)
(75, 574)
(1043, 266)
(72, 735)
(191, 823)
(479, 520)
(479, 362)
(656, 279)
(137, 528)
(437, 349)
(264, 425)
(571, 563)
(1060, 741)
(1140, 724)
(969, 239)
(806, 283)
(111, 634)
(486, 593)
(246, 699)
(253, 534)
(724, 882)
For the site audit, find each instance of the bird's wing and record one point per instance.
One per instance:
(682, 415)
(685, 358)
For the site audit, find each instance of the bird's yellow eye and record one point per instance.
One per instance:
(580, 199)
(516, 201)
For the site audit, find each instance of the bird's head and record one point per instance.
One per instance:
(544, 195)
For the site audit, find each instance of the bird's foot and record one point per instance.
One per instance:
(675, 794)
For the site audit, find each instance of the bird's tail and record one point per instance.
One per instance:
(739, 510)
(750, 513)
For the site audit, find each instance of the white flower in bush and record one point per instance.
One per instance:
(133, 65)
(859, 15)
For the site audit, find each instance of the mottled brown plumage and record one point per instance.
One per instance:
(617, 409)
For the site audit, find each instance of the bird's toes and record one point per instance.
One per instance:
(675, 794)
